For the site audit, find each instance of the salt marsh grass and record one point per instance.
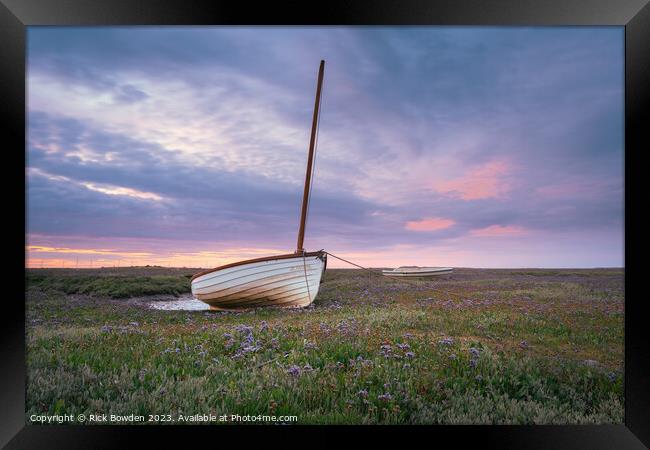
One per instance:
(511, 347)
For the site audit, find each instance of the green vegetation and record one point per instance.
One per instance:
(108, 283)
(504, 348)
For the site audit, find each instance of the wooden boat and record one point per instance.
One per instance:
(290, 280)
(414, 271)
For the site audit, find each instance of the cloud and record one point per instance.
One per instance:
(130, 94)
(199, 136)
(36, 249)
(118, 190)
(158, 194)
(578, 188)
(432, 224)
(103, 188)
(480, 182)
(499, 231)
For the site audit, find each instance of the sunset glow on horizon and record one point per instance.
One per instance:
(437, 146)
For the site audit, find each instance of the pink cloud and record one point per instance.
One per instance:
(498, 230)
(572, 189)
(480, 182)
(430, 224)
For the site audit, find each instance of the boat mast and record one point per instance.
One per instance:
(310, 160)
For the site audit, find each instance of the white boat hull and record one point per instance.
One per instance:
(418, 272)
(291, 281)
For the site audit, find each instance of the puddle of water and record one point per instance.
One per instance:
(180, 304)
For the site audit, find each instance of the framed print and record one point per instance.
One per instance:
(366, 217)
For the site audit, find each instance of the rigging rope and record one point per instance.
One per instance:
(398, 279)
(313, 169)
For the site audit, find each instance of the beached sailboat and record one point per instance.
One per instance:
(290, 280)
(414, 271)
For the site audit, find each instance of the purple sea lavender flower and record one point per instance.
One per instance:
(409, 354)
(250, 348)
(386, 351)
(363, 393)
(294, 371)
(475, 352)
(523, 344)
(264, 326)
(385, 397)
(403, 346)
(364, 362)
(446, 341)
(244, 329)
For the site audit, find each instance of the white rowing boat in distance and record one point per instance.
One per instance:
(290, 280)
(414, 271)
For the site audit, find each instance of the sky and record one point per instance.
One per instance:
(437, 146)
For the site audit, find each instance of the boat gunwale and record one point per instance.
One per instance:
(318, 253)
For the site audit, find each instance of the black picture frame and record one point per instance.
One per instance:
(634, 15)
